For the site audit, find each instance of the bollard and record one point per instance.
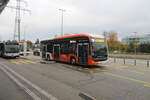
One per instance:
(147, 63)
(135, 62)
(124, 61)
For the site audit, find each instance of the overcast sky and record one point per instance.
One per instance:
(81, 16)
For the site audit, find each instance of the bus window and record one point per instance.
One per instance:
(50, 48)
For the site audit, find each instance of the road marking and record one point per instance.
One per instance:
(84, 68)
(135, 72)
(117, 65)
(15, 62)
(22, 62)
(125, 68)
(86, 96)
(141, 73)
(46, 94)
(122, 66)
(144, 69)
(132, 66)
(28, 61)
(127, 78)
(32, 94)
(146, 85)
(96, 69)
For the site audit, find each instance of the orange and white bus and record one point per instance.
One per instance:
(83, 49)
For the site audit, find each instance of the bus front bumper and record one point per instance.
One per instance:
(12, 54)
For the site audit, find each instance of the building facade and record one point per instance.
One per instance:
(145, 38)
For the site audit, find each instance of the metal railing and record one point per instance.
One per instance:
(135, 62)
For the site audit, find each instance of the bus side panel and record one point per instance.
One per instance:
(63, 58)
(66, 58)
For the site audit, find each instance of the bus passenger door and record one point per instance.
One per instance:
(83, 53)
(56, 51)
(44, 51)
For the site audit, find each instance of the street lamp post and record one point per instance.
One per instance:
(135, 47)
(135, 42)
(62, 20)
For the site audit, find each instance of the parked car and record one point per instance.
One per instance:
(36, 52)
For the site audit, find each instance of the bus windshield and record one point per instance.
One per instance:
(12, 48)
(99, 48)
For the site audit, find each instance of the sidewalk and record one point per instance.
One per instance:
(129, 62)
(130, 56)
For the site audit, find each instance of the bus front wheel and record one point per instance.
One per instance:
(72, 61)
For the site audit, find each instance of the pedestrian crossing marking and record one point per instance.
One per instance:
(22, 62)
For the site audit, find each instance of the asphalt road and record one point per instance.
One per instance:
(67, 82)
(9, 90)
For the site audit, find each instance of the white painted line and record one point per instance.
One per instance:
(86, 96)
(46, 94)
(33, 95)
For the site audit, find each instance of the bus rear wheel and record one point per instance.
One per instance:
(73, 61)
